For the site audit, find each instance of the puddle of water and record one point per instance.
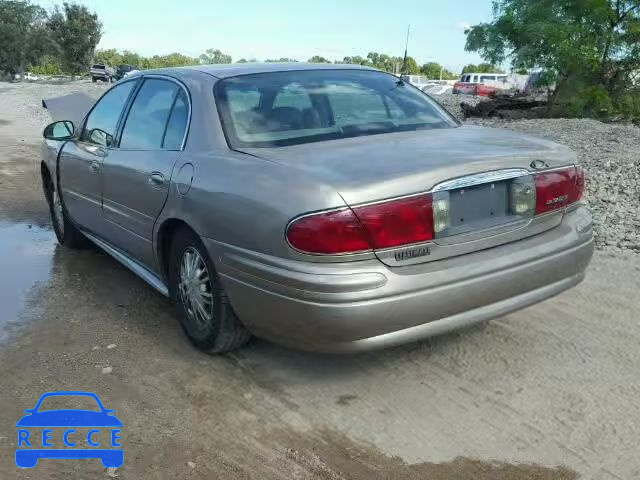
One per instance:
(26, 257)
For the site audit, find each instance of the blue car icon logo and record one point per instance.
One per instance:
(102, 428)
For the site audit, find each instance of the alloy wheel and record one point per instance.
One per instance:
(194, 288)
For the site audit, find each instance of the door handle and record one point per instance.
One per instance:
(156, 179)
(94, 167)
(96, 150)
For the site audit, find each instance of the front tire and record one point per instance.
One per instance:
(203, 307)
(66, 232)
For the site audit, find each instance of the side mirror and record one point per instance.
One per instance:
(29, 410)
(62, 130)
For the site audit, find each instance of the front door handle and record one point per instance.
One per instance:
(96, 150)
(94, 167)
(156, 179)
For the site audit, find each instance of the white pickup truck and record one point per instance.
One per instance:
(102, 72)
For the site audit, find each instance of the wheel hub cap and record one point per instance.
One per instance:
(195, 287)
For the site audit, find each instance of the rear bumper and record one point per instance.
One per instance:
(362, 305)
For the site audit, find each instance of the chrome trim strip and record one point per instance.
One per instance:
(142, 272)
(479, 178)
(80, 196)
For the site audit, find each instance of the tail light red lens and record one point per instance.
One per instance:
(398, 222)
(381, 225)
(334, 232)
(558, 188)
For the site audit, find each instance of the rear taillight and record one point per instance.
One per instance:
(558, 188)
(380, 225)
(398, 222)
(422, 217)
(334, 232)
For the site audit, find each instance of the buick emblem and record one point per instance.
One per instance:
(539, 164)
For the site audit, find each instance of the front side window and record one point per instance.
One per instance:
(145, 125)
(295, 107)
(101, 124)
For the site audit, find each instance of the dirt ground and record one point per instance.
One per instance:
(546, 393)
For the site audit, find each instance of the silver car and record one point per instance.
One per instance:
(325, 207)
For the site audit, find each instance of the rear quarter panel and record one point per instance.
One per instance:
(246, 202)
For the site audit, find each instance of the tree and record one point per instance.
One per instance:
(318, 59)
(435, 71)
(357, 60)
(171, 60)
(410, 66)
(481, 68)
(593, 46)
(77, 32)
(211, 56)
(382, 61)
(24, 37)
(109, 57)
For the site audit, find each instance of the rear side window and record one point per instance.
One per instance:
(177, 124)
(145, 125)
(485, 78)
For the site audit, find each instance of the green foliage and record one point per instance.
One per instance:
(171, 60)
(77, 32)
(382, 61)
(318, 59)
(435, 71)
(410, 66)
(46, 69)
(481, 68)
(590, 48)
(212, 56)
(357, 60)
(24, 36)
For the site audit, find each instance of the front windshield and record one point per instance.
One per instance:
(287, 108)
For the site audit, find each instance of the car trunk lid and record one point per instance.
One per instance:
(473, 167)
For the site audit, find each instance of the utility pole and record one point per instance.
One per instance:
(406, 47)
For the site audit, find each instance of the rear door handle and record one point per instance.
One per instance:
(156, 179)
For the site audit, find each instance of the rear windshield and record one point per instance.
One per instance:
(287, 108)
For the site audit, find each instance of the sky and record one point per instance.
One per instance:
(291, 28)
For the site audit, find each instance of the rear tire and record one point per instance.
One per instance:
(94, 79)
(66, 232)
(203, 307)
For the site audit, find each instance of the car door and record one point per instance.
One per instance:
(136, 176)
(81, 159)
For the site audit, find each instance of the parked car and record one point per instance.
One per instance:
(102, 72)
(325, 207)
(437, 87)
(482, 84)
(124, 71)
(418, 81)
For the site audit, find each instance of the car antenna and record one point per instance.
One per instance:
(404, 59)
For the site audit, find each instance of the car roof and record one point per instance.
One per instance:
(235, 69)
